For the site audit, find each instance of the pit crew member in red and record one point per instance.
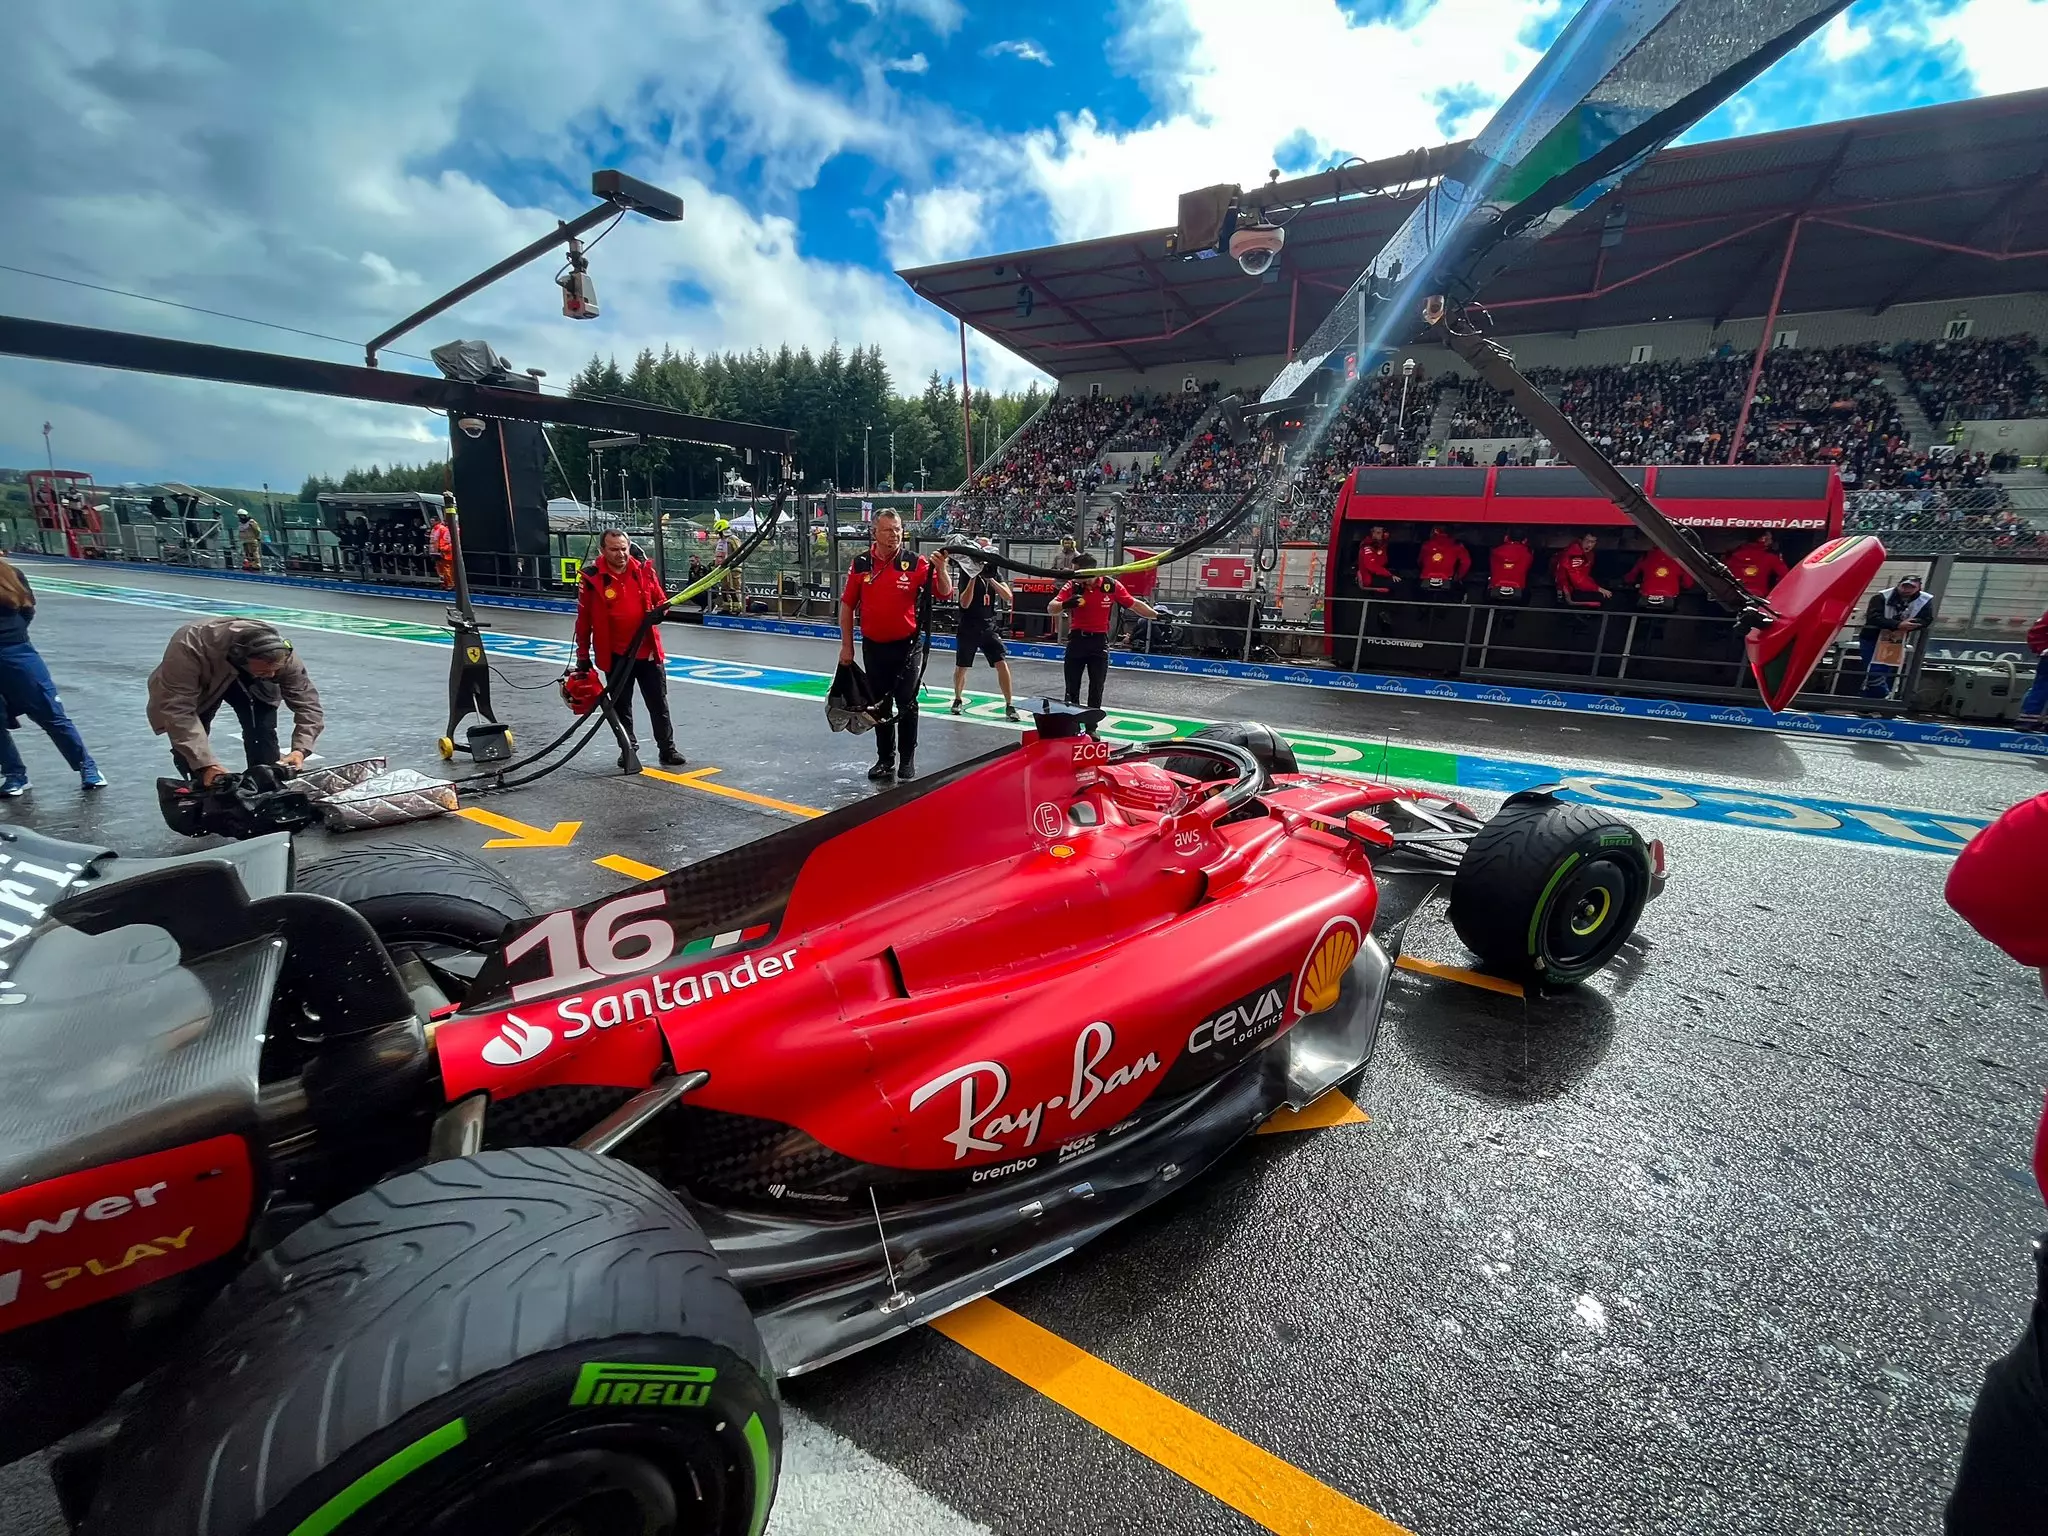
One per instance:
(1443, 562)
(616, 593)
(884, 586)
(1576, 584)
(1375, 571)
(1657, 578)
(1507, 567)
(1999, 884)
(1093, 600)
(1757, 564)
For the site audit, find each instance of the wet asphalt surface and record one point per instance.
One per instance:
(1719, 1242)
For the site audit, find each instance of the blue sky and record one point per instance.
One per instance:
(332, 167)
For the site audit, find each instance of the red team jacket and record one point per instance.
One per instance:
(1999, 885)
(1373, 570)
(1659, 575)
(1573, 569)
(609, 608)
(1757, 568)
(1508, 565)
(1444, 559)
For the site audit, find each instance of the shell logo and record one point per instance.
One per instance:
(1328, 959)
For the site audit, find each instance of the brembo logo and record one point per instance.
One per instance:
(517, 1041)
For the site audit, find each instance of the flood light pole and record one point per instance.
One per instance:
(620, 193)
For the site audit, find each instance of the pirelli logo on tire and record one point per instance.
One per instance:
(600, 1383)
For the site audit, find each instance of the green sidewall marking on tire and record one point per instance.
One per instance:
(1543, 901)
(764, 1472)
(330, 1516)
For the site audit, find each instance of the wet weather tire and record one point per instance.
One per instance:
(1548, 891)
(417, 893)
(1267, 746)
(519, 1342)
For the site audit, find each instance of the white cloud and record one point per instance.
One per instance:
(309, 167)
(943, 224)
(1841, 39)
(2004, 43)
(915, 64)
(1252, 76)
(1021, 48)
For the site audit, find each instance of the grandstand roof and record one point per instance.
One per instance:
(1937, 203)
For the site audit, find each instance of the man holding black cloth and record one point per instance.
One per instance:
(977, 634)
(884, 586)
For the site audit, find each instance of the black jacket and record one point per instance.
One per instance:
(1879, 615)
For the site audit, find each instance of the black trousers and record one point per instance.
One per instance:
(891, 666)
(646, 673)
(1087, 653)
(259, 728)
(2003, 1482)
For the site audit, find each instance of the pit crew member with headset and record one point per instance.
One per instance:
(246, 665)
(1094, 601)
(883, 586)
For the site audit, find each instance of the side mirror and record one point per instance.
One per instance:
(1813, 602)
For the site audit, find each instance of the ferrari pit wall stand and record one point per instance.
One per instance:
(598, 1176)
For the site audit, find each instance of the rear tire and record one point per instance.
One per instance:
(1548, 891)
(414, 893)
(1267, 746)
(516, 1342)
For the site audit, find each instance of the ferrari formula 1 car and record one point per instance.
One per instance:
(361, 1198)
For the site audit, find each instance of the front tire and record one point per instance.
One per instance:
(519, 1342)
(1549, 892)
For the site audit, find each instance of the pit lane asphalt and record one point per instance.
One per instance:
(1719, 1243)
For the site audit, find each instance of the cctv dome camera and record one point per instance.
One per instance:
(471, 427)
(1257, 246)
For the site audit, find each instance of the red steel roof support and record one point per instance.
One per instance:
(1763, 342)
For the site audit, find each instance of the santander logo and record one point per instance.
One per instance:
(517, 1041)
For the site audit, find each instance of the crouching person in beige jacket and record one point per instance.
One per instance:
(246, 665)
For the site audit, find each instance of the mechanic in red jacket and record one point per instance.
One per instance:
(1443, 563)
(1375, 570)
(1577, 587)
(883, 588)
(1508, 566)
(2000, 886)
(1757, 564)
(617, 591)
(1658, 579)
(2034, 707)
(1093, 601)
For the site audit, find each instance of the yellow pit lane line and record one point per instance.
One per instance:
(1275, 1494)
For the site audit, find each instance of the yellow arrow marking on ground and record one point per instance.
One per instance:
(518, 834)
(1458, 973)
(1247, 1477)
(695, 778)
(1333, 1108)
(632, 869)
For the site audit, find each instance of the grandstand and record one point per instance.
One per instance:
(1895, 266)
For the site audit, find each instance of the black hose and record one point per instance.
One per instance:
(1193, 544)
(618, 687)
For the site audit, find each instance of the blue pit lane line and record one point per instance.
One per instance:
(1894, 827)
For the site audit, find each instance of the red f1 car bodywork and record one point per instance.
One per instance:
(1026, 983)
